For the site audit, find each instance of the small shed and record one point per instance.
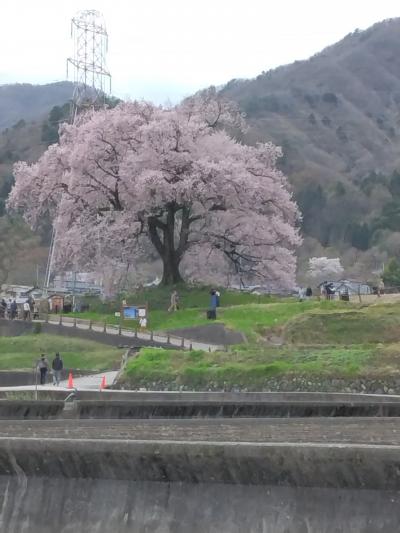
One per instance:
(56, 303)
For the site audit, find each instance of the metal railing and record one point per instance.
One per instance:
(133, 333)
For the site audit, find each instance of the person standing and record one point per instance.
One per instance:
(3, 308)
(9, 302)
(43, 367)
(14, 309)
(57, 366)
(35, 311)
(27, 310)
(301, 294)
(218, 295)
(381, 288)
(212, 313)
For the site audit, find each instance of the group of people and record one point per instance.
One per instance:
(57, 366)
(305, 293)
(215, 296)
(28, 310)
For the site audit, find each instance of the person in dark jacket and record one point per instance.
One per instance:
(212, 312)
(57, 366)
(3, 308)
(14, 310)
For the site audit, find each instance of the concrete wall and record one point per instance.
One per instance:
(48, 505)
(283, 464)
(180, 409)
(27, 409)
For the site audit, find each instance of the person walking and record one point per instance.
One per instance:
(43, 366)
(57, 366)
(174, 302)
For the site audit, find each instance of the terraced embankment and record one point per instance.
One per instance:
(172, 475)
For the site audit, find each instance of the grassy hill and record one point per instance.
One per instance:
(291, 345)
(315, 345)
(22, 353)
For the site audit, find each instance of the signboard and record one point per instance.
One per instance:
(134, 312)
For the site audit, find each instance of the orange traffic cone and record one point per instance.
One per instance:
(70, 381)
(103, 384)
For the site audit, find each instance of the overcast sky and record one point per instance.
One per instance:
(166, 49)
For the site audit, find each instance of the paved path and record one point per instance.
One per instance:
(91, 382)
(364, 431)
(168, 340)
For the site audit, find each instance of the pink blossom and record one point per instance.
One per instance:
(127, 184)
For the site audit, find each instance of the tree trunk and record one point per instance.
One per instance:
(171, 274)
(162, 235)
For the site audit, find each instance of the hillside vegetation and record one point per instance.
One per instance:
(31, 102)
(336, 117)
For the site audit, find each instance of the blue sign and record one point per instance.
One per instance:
(131, 312)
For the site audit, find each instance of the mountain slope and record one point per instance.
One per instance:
(337, 118)
(31, 102)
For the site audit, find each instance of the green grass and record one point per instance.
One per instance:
(252, 319)
(354, 325)
(17, 353)
(158, 298)
(243, 367)
(248, 318)
(327, 339)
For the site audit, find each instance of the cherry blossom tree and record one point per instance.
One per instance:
(323, 268)
(140, 180)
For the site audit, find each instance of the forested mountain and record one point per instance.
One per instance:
(22, 254)
(31, 102)
(337, 118)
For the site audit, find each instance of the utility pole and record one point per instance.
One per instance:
(92, 83)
